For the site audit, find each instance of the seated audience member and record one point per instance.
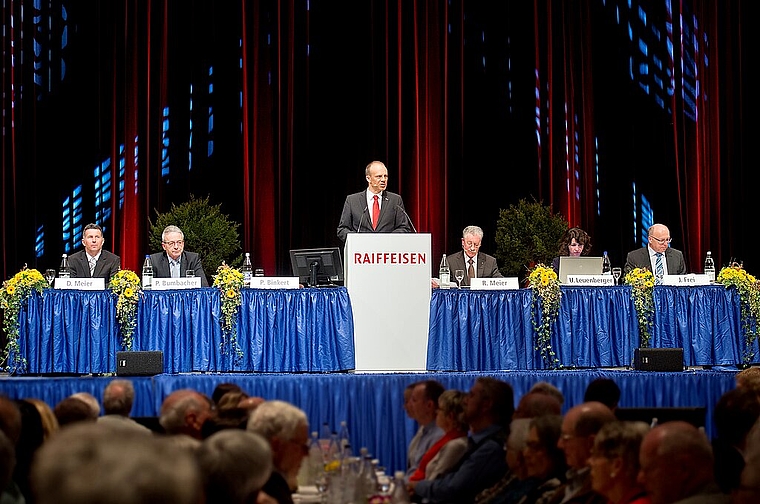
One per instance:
(174, 261)
(657, 252)
(543, 387)
(90, 400)
(474, 262)
(92, 463)
(749, 378)
(234, 464)
(424, 403)
(748, 491)
(545, 464)
(734, 415)
(22, 424)
(49, 421)
(603, 390)
(183, 413)
(286, 427)
(515, 483)
(10, 493)
(535, 404)
(614, 463)
(575, 242)
(677, 464)
(447, 451)
(579, 427)
(118, 397)
(72, 409)
(93, 261)
(488, 410)
(232, 412)
(222, 389)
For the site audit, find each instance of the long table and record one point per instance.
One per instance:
(596, 327)
(279, 330)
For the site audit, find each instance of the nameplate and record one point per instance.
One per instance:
(685, 280)
(274, 283)
(590, 280)
(176, 283)
(80, 283)
(506, 283)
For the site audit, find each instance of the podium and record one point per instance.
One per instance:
(387, 276)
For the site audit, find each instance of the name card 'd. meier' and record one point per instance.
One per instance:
(89, 284)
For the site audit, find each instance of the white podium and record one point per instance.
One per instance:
(387, 276)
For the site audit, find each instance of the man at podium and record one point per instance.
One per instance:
(374, 210)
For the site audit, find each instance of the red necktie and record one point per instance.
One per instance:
(375, 212)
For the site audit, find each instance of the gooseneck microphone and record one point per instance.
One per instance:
(407, 217)
(360, 220)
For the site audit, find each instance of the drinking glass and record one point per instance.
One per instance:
(616, 273)
(189, 273)
(459, 275)
(50, 276)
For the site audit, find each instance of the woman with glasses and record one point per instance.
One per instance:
(544, 461)
(614, 462)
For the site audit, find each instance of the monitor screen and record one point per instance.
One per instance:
(317, 266)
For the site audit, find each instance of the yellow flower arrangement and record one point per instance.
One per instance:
(229, 281)
(749, 296)
(125, 285)
(642, 282)
(545, 285)
(13, 295)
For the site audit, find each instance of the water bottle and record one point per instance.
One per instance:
(606, 267)
(147, 274)
(247, 270)
(343, 437)
(710, 267)
(400, 495)
(444, 273)
(64, 271)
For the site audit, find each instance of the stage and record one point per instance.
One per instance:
(372, 404)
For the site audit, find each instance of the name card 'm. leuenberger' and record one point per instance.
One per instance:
(274, 283)
(506, 283)
(176, 283)
(590, 280)
(80, 283)
(685, 280)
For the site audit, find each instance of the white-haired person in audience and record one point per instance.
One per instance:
(234, 464)
(182, 415)
(286, 427)
(748, 491)
(118, 398)
(90, 400)
(614, 463)
(93, 463)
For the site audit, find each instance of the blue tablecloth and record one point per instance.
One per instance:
(287, 330)
(596, 327)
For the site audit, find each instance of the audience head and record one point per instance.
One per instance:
(286, 427)
(424, 400)
(579, 427)
(603, 390)
(451, 411)
(543, 458)
(184, 411)
(90, 400)
(118, 397)
(72, 409)
(574, 242)
(735, 414)
(659, 237)
(49, 421)
(490, 401)
(748, 491)
(614, 459)
(89, 463)
(10, 418)
(534, 404)
(676, 462)
(472, 238)
(232, 412)
(235, 464)
(518, 436)
(7, 461)
(408, 400)
(749, 378)
(543, 387)
(222, 389)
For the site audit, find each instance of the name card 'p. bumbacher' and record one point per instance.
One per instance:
(506, 283)
(688, 280)
(80, 283)
(274, 283)
(176, 283)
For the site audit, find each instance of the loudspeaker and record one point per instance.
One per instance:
(658, 359)
(139, 363)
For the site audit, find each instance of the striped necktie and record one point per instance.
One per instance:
(659, 270)
(93, 262)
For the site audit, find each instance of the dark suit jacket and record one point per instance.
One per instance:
(277, 488)
(106, 267)
(357, 216)
(486, 266)
(639, 258)
(188, 260)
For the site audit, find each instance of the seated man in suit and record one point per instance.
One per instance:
(175, 261)
(658, 256)
(471, 260)
(93, 261)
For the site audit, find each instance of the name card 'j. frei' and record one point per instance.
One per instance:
(176, 283)
(590, 280)
(80, 283)
(506, 283)
(686, 280)
(274, 283)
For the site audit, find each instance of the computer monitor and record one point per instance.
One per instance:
(317, 266)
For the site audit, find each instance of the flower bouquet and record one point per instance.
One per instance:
(13, 295)
(642, 282)
(230, 282)
(125, 285)
(749, 295)
(545, 285)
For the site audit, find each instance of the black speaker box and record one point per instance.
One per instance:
(139, 363)
(658, 359)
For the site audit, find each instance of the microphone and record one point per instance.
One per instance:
(360, 220)
(407, 217)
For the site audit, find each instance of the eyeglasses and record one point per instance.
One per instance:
(471, 244)
(661, 240)
(173, 243)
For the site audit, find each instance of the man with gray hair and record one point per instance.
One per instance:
(471, 260)
(183, 413)
(118, 397)
(286, 427)
(175, 261)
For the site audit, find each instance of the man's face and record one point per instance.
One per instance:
(659, 238)
(421, 405)
(470, 245)
(93, 241)
(473, 403)
(173, 244)
(377, 179)
(577, 448)
(294, 450)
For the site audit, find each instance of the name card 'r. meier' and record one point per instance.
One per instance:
(590, 280)
(506, 283)
(80, 283)
(274, 283)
